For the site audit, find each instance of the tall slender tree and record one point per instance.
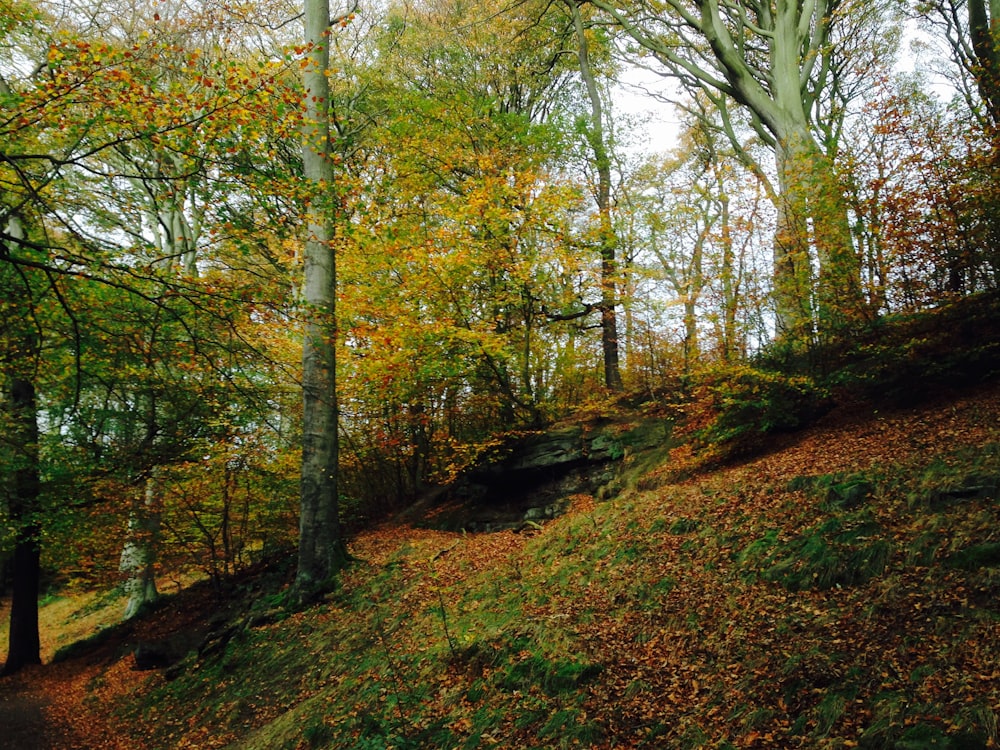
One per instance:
(970, 30)
(19, 363)
(597, 141)
(69, 130)
(321, 548)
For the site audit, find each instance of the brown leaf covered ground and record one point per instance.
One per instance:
(687, 649)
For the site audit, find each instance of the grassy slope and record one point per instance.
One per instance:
(839, 591)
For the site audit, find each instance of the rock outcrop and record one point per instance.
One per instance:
(539, 472)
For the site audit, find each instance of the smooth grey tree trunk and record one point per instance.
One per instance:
(779, 88)
(321, 550)
(138, 558)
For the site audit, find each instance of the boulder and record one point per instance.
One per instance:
(537, 474)
(155, 655)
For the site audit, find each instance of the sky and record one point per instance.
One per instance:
(658, 125)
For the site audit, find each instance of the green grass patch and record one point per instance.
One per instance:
(571, 727)
(683, 526)
(632, 592)
(967, 474)
(986, 555)
(842, 491)
(553, 675)
(844, 550)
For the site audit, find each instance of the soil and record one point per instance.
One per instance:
(22, 714)
(62, 705)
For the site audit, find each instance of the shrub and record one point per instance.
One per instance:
(749, 402)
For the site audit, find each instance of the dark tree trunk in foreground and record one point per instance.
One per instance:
(23, 645)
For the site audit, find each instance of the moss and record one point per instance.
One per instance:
(845, 550)
(986, 555)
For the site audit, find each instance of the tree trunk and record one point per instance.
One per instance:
(138, 559)
(982, 19)
(608, 238)
(24, 644)
(22, 489)
(730, 282)
(780, 90)
(813, 218)
(321, 550)
(793, 274)
(693, 287)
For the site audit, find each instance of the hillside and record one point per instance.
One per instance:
(840, 589)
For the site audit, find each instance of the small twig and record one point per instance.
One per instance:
(397, 678)
(442, 552)
(444, 623)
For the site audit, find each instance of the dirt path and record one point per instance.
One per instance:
(23, 724)
(66, 705)
(61, 706)
(23, 721)
(55, 707)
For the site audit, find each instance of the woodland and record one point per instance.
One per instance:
(281, 282)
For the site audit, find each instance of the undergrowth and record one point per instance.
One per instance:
(765, 604)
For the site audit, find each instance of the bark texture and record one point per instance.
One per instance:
(774, 59)
(320, 546)
(984, 29)
(138, 558)
(608, 239)
(22, 498)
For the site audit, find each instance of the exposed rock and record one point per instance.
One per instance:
(171, 651)
(539, 472)
(971, 487)
(155, 655)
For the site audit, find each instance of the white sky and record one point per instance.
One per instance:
(657, 123)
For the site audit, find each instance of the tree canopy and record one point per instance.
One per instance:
(269, 275)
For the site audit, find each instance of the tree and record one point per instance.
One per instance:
(985, 39)
(922, 200)
(775, 60)
(321, 548)
(451, 266)
(83, 134)
(19, 362)
(699, 227)
(607, 240)
(969, 30)
(19, 365)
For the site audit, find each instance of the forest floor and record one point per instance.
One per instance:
(64, 705)
(52, 706)
(67, 705)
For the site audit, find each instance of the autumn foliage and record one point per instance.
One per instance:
(802, 291)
